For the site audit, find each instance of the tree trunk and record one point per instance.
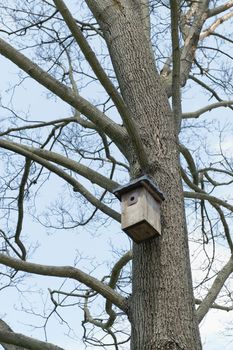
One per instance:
(162, 311)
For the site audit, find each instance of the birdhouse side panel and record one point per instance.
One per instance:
(152, 212)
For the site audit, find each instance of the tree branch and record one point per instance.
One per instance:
(225, 225)
(73, 182)
(5, 328)
(214, 25)
(199, 13)
(205, 109)
(215, 306)
(70, 164)
(191, 164)
(216, 10)
(207, 197)
(195, 187)
(21, 208)
(118, 267)
(113, 282)
(222, 37)
(21, 342)
(217, 170)
(99, 9)
(66, 272)
(91, 58)
(213, 292)
(195, 17)
(113, 130)
(205, 86)
(176, 94)
(39, 125)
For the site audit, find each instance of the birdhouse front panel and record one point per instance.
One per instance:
(132, 208)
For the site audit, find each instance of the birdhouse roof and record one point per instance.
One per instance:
(143, 181)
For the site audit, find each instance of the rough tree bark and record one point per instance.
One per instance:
(161, 309)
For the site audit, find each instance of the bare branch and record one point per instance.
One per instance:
(66, 272)
(103, 78)
(113, 130)
(176, 94)
(91, 58)
(213, 292)
(192, 38)
(98, 10)
(73, 182)
(205, 196)
(5, 328)
(217, 170)
(222, 37)
(78, 168)
(210, 30)
(39, 125)
(23, 341)
(216, 10)
(113, 281)
(205, 86)
(191, 164)
(215, 306)
(35, 24)
(196, 15)
(205, 109)
(225, 226)
(21, 208)
(118, 267)
(195, 187)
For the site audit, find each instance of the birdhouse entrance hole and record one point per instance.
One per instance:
(133, 199)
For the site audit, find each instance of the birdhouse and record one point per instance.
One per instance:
(140, 208)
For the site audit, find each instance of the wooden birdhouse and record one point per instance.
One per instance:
(140, 208)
